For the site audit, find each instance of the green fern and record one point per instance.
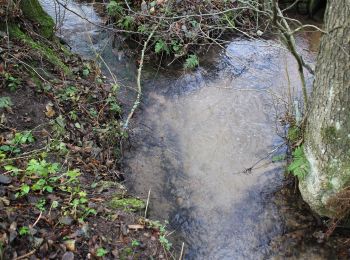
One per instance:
(127, 22)
(191, 62)
(5, 102)
(300, 165)
(114, 8)
(161, 46)
(294, 134)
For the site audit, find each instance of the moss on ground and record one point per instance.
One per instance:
(129, 204)
(32, 10)
(49, 54)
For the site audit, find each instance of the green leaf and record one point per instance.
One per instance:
(299, 166)
(101, 252)
(48, 188)
(114, 8)
(54, 204)
(278, 158)
(23, 231)
(24, 189)
(5, 102)
(161, 46)
(86, 72)
(11, 168)
(191, 62)
(72, 174)
(39, 185)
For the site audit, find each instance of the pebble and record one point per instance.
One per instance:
(68, 256)
(124, 229)
(115, 253)
(66, 220)
(5, 179)
(179, 201)
(70, 245)
(37, 242)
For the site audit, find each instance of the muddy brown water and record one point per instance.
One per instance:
(196, 134)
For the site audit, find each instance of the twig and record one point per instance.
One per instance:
(249, 170)
(147, 203)
(37, 220)
(25, 155)
(287, 36)
(26, 255)
(182, 251)
(139, 87)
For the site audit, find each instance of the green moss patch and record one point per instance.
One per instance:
(32, 10)
(49, 54)
(128, 204)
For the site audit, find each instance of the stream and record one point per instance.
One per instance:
(202, 142)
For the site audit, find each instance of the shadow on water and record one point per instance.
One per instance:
(195, 135)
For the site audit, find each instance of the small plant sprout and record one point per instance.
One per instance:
(135, 243)
(100, 252)
(40, 205)
(86, 72)
(23, 138)
(24, 190)
(165, 242)
(191, 62)
(12, 82)
(54, 205)
(23, 231)
(5, 102)
(12, 169)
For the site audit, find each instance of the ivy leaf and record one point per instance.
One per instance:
(86, 72)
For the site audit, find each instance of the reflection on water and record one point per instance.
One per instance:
(195, 138)
(196, 135)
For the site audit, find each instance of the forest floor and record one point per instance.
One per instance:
(60, 139)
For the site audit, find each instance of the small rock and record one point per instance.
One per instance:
(115, 253)
(66, 220)
(13, 232)
(5, 179)
(179, 201)
(70, 245)
(37, 242)
(124, 229)
(85, 230)
(259, 33)
(44, 248)
(68, 256)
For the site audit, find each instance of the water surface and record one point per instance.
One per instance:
(197, 138)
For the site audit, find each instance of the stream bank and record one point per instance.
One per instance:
(60, 133)
(194, 136)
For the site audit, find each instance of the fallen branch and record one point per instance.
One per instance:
(139, 87)
(26, 255)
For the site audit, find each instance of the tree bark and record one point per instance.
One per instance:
(327, 138)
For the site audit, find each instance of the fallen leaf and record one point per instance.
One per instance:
(136, 227)
(49, 110)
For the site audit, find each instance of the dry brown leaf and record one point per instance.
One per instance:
(49, 110)
(136, 227)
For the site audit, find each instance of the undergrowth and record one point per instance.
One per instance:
(184, 28)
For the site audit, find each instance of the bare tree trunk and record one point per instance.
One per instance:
(327, 141)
